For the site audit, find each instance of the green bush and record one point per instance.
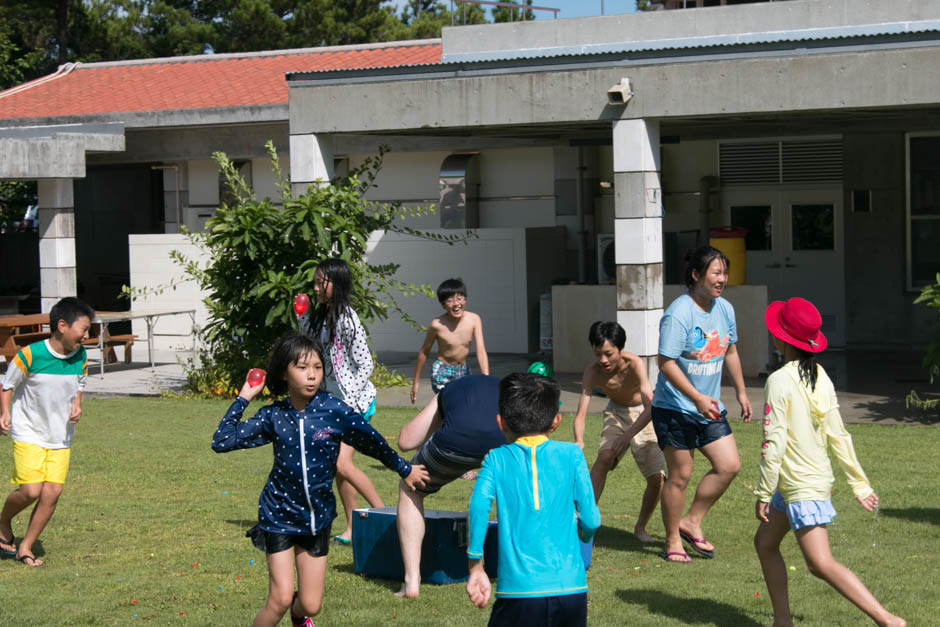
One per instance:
(261, 255)
(929, 295)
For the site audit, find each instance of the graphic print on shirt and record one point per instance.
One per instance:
(707, 349)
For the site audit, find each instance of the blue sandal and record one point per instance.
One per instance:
(10, 542)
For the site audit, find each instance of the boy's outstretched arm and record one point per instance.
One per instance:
(478, 585)
(414, 434)
(422, 358)
(584, 402)
(482, 358)
(589, 516)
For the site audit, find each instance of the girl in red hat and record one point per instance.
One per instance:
(801, 418)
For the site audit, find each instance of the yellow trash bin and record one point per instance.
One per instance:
(730, 240)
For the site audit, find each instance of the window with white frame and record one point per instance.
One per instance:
(923, 208)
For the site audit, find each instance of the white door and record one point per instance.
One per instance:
(795, 247)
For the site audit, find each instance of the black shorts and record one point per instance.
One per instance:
(684, 431)
(569, 610)
(442, 465)
(270, 542)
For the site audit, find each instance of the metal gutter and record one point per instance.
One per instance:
(714, 47)
(582, 62)
(707, 41)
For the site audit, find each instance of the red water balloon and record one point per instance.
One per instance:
(255, 377)
(301, 302)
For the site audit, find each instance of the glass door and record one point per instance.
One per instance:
(794, 247)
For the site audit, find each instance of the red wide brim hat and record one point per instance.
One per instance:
(797, 322)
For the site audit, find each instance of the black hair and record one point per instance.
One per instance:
(698, 261)
(451, 287)
(290, 348)
(610, 331)
(528, 403)
(807, 367)
(69, 309)
(327, 315)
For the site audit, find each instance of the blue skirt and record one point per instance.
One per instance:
(804, 513)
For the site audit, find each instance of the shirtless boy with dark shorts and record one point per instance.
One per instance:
(622, 376)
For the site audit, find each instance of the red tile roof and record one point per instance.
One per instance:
(204, 81)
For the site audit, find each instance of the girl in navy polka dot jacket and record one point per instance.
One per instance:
(296, 507)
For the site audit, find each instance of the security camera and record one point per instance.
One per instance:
(620, 93)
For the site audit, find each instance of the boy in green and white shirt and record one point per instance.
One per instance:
(43, 385)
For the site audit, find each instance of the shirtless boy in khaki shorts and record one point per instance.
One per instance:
(622, 376)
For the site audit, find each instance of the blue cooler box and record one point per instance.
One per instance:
(377, 552)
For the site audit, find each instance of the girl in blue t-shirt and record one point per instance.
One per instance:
(697, 335)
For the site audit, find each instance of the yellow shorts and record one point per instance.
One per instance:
(644, 446)
(35, 464)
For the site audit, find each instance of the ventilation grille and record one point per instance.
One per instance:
(774, 162)
(813, 161)
(749, 163)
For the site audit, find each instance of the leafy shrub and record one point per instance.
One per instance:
(929, 295)
(261, 255)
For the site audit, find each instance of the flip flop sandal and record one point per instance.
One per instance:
(668, 557)
(10, 542)
(341, 540)
(694, 542)
(35, 563)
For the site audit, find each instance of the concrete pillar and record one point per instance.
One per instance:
(311, 160)
(638, 226)
(57, 274)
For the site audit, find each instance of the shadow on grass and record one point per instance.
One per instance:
(619, 539)
(691, 610)
(391, 585)
(893, 409)
(915, 514)
(244, 524)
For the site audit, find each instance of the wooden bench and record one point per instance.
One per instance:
(22, 330)
(19, 331)
(110, 341)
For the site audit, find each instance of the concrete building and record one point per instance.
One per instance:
(815, 124)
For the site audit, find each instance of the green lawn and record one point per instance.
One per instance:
(150, 528)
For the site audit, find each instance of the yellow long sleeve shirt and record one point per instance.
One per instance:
(799, 424)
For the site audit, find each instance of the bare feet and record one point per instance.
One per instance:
(642, 536)
(895, 621)
(407, 592)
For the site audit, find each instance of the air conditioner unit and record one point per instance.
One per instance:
(606, 261)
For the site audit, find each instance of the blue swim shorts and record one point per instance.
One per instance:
(804, 513)
(442, 374)
(684, 431)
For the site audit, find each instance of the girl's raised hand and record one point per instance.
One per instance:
(417, 478)
(253, 385)
(870, 502)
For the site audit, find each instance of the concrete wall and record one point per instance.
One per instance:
(493, 268)
(879, 309)
(574, 309)
(719, 87)
(151, 267)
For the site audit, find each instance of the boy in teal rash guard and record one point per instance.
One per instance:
(546, 503)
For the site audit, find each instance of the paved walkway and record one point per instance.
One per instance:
(880, 401)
